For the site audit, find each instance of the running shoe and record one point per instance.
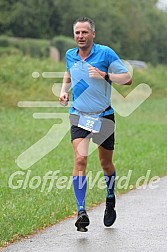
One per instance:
(82, 221)
(110, 213)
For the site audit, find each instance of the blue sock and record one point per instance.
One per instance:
(80, 185)
(110, 183)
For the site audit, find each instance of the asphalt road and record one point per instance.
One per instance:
(141, 226)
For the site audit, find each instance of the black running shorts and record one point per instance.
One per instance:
(104, 138)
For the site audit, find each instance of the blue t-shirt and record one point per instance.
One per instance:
(88, 94)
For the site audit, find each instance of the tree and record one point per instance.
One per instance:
(135, 29)
(34, 19)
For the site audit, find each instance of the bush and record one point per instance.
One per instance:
(37, 48)
(4, 41)
(8, 51)
(63, 43)
(34, 47)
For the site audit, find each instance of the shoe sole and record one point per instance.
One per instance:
(82, 222)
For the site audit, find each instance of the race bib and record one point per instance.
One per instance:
(90, 122)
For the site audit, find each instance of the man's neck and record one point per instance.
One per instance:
(84, 53)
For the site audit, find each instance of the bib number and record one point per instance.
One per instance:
(90, 123)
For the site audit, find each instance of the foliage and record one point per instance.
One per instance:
(135, 29)
(4, 41)
(63, 43)
(34, 19)
(16, 79)
(8, 51)
(33, 47)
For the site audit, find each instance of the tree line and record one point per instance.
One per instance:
(136, 29)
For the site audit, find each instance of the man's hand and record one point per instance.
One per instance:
(122, 78)
(95, 73)
(64, 90)
(64, 99)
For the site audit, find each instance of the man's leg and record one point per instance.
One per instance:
(105, 157)
(80, 147)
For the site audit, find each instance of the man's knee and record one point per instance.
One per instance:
(107, 166)
(105, 163)
(80, 163)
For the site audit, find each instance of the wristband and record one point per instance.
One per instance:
(107, 77)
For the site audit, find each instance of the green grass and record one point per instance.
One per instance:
(140, 146)
(17, 83)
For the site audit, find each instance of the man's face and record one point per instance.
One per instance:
(83, 35)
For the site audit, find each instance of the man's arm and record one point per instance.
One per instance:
(122, 78)
(65, 88)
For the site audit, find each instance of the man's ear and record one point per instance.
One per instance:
(94, 34)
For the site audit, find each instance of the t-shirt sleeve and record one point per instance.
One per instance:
(116, 65)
